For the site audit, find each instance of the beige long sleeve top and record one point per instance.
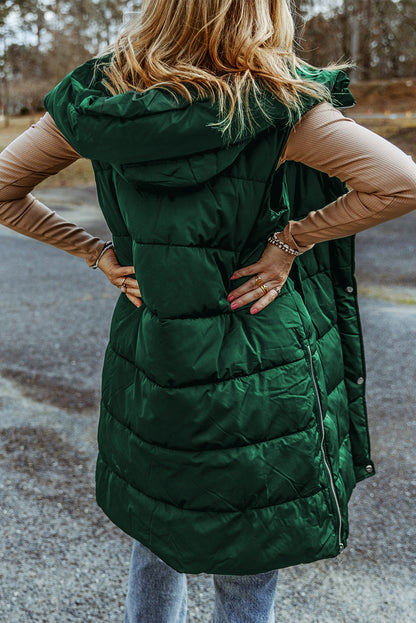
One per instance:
(36, 154)
(382, 176)
(383, 179)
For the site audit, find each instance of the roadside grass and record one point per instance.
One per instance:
(396, 94)
(401, 132)
(403, 296)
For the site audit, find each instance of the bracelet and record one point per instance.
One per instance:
(108, 245)
(273, 239)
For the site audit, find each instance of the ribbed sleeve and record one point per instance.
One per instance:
(382, 177)
(37, 153)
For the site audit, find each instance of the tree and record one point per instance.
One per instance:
(6, 33)
(407, 49)
(378, 35)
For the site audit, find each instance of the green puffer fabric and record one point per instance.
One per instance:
(228, 443)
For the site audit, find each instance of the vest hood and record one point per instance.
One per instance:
(160, 141)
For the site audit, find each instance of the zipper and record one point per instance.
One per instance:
(331, 480)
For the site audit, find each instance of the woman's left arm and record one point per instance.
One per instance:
(383, 182)
(382, 177)
(36, 154)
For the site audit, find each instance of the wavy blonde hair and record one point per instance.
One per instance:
(224, 49)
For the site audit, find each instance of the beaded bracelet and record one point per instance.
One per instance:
(108, 245)
(273, 239)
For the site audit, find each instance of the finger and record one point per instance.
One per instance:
(123, 271)
(265, 300)
(247, 286)
(120, 283)
(129, 282)
(133, 291)
(130, 286)
(249, 297)
(135, 300)
(246, 270)
(125, 282)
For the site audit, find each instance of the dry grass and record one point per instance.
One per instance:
(401, 132)
(397, 95)
(403, 296)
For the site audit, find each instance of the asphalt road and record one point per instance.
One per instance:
(62, 560)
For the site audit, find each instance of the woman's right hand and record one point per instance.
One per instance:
(118, 276)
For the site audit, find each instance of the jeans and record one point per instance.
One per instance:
(158, 594)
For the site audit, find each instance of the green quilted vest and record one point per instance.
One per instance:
(228, 443)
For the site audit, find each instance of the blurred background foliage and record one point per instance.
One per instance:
(41, 41)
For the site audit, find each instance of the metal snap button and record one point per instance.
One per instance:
(349, 289)
(360, 380)
(369, 468)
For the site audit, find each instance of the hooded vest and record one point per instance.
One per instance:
(229, 443)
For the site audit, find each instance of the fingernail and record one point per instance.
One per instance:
(234, 305)
(230, 297)
(233, 277)
(254, 310)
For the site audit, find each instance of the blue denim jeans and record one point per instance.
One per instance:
(158, 594)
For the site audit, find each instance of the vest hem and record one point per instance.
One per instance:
(206, 510)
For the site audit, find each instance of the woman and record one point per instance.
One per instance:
(233, 424)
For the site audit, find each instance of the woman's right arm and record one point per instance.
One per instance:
(33, 156)
(37, 153)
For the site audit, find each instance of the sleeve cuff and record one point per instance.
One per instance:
(287, 235)
(97, 248)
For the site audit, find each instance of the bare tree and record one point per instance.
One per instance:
(6, 34)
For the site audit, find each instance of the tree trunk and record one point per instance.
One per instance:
(366, 40)
(355, 38)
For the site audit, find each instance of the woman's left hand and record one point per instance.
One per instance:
(272, 268)
(118, 276)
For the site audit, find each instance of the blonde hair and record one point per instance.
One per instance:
(224, 49)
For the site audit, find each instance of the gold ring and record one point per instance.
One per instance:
(277, 290)
(264, 288)
(123, 283)
(259, 280)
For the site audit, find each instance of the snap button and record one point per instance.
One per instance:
(369, 468)
(349, 289)
(360, 380)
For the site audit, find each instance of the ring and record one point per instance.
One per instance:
(259, 280)
(123, 282)
(277, 290)
(264, 288)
